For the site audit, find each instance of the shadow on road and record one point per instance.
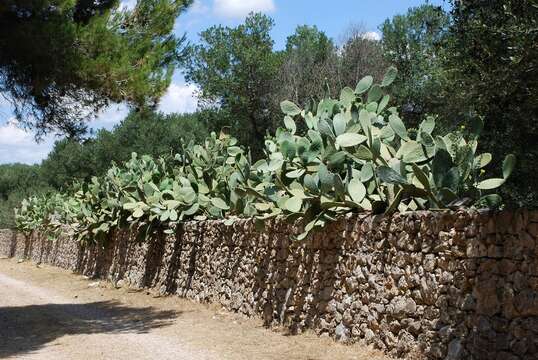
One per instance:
(24, 329)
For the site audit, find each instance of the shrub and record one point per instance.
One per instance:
(337, 156)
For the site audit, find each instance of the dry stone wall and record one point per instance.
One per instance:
(447, 285)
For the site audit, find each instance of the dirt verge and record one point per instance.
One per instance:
(49, 313)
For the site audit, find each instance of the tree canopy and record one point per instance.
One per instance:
(242, 79)
(18, 181)
(146, 133)
(413, 42)
(493, 63)
(63, 60)
(235, 69)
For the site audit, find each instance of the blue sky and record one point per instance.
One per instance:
(333, 17)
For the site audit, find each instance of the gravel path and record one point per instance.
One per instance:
(48, 313)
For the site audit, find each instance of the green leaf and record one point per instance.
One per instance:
(476, 125)
(234, 150)
(317, 141)
(490, 184)
(336, 159)
(294, 204)
(311, 183)
(383, 103)
(290, 124)
(275, 164)
(188, 195)
(339, 124)
(363, 153)
(372, 107)
(393, 206)
(339, 187)
(367, 172)
(390, 176)
(398, 126)
(428, 125)
(219, 203)
(311, 121)
(426, 139)
(171, 204)
(288, 149)
(289, 108)
(421, 176)
(325, 128)
(482, 160)
(130, 206)
(451, 179)
(173, 215)
(390, 76)
(295, 173)
(375, 93)
(192, 210)
(364, 84)
(508, 165)
(138, 213)
(326, 107)
(364, 120)
(262, 206)
(297, 189)
(326, 178)
(347, 96)
(356, 190)
(412, 152)
(441, 165)
(349, 139)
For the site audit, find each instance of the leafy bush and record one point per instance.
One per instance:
(341, 155)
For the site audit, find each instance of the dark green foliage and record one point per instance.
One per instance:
(414, 43)
(144, 132)
(242, 80)
(235, 69)
(358, 57)
(17, 182)
(494, 61)
(477, 62)
(354, 154)
(62, 60)
(307, 65)
(70, 160)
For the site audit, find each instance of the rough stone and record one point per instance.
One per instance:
(342, 333)
(456, 285)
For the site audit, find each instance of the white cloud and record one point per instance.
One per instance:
(128, 4)
(198, 7)
(241, 8)
(372, 35)
(4, 103)
(179, 98)
(10, 134)
(110, 116)
(17, 145)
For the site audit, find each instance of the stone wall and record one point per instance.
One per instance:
(448, 285)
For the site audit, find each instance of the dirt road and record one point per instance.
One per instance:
(48, 313)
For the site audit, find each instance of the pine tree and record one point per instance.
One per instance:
(63, 60)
